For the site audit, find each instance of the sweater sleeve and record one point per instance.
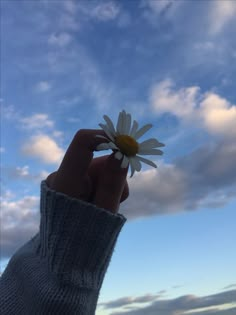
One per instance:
(61, 269)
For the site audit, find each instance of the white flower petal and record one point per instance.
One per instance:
(149, 162)
(113, 146)
(107, 131)
(149, 144)
(119, 123)
(132, 168)
(150, 152)
(110, 125)
(136, 164)
(118, 155)
(103, 146)
(125, 162)
(142, 131)
(134, 128)
(123, 122)
(99, 136)
(106, 146)
(127, 124)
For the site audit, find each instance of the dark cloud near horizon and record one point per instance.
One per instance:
(178, 305)
(130, 300)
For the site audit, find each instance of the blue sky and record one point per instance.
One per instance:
(64, 64)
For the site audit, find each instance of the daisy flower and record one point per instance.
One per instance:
(123, 141)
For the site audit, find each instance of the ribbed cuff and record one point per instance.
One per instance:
(76, 237)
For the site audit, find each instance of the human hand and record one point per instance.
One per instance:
(100, 181)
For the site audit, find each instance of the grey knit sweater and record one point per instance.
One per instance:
(61, 269)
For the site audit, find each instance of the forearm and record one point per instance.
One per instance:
(62, 269)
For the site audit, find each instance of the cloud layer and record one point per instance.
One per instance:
(204, 178)
(204, 305)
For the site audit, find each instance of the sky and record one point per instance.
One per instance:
(64, 64)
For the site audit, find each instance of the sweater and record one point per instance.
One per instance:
(61, 269)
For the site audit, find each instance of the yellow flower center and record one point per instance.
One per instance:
(127, 145)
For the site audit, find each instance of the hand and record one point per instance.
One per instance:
(100, 181)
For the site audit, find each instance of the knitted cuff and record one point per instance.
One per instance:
(76, 237)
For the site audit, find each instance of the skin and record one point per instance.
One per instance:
(100, 181)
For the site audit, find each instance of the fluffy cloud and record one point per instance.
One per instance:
(44, 148)
(19, 222)
(220, 14)
(181, 103)
(218, 114)
(208, 110)
(204, 305)
(204, 178)
(37, 121)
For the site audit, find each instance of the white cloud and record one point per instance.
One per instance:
(73, 120)
(61, 40)
(219, 115)
(9, 112)
(44, 148)
(2, 150)
(70, 101)
(220, 14)
(37, 121)
(207, 110)
(106, 11)
(180, 103)
(103, 11)
(57, 134)
(24, 173)
(19, 222)
(6, 195)
(43, 86)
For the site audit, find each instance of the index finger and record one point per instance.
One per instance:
(80, 152)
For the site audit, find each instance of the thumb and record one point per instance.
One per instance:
(111, 185)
